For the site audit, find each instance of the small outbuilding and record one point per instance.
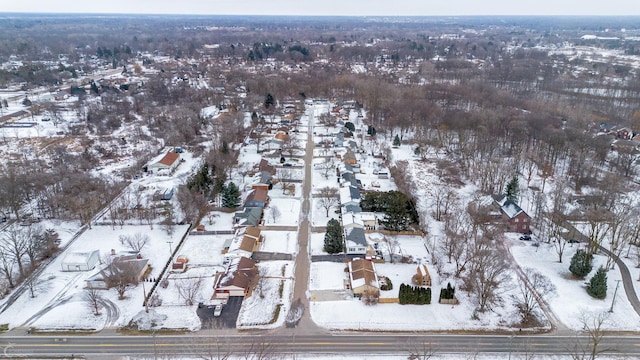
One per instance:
(81, 261)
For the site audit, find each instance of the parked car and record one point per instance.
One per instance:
(217, 311)
(573, 241)
(525, 237)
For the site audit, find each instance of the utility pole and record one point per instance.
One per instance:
(614, 295)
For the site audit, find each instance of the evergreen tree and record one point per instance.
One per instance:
(371, 131)
(581, 263)
(598, 284)
(231, 196)
(512, 189)
(396, 141)
(268, 101)
(349, 125)
(396, 217)
(333, 238)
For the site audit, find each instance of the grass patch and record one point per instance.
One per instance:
(4, 327)
(276, 313)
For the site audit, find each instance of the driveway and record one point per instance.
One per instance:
(226, 320)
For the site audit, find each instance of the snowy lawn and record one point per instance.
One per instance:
(572, 300)
(287, 211)
(327, 276)
(280, 241)
(316, 244)
(268, 304)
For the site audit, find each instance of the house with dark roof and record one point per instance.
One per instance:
(249, 216)
(355, 241)
(237, 280)
(257, 198)
(515, 218)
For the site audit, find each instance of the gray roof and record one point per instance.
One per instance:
(356, 235)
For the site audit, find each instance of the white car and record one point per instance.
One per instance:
(217, 310)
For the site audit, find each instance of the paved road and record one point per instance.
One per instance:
(239, 345)
(300, 289)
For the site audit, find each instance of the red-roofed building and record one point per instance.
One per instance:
(168, 162)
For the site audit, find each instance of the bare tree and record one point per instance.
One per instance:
(15, 243)
(274, 212)
(487, 274)
(188, 289)
(285, 177)
(534, 287)
(326, 166)
(263, 273)
(7, 262)
(135, 242)
(593, 325)
(120, 275)
(419, 350)
(93, 298)
(34, 284)
(328, 198)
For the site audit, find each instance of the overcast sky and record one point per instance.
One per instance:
(330, 7)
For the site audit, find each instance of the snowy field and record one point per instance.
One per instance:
(545, 260)
(287, 211)
(55, 287)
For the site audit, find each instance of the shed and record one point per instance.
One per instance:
(81, 261)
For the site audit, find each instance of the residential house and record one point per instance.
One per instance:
(516, 219)
(349, 195)
(168, 162)
(265, 166)
(237, 280)
(363, 278)
(355, 241)
(350, 220)
(131, 266)
(243, 244)
(249, 216)
(257, 198)
(349, 157)
(81, 261)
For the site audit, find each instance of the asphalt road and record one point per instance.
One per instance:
(239, 345)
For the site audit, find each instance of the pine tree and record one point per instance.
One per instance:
(230, 196)
(371, 131)
(333, 237)
(396, 141)
(581, 263)
(598, 284)
(396, 216)
(512, 189)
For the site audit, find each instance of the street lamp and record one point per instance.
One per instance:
(170, 249)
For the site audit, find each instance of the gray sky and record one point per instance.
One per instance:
(331, 7)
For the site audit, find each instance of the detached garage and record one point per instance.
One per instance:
(81, 261)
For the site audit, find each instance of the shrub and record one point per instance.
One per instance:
(598, 284)
(448, 293)
(414, 295)
(581, 263)
(385, 284)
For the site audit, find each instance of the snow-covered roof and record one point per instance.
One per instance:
(362, 272)
(79, 257)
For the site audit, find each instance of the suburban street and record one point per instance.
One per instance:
(103, 347)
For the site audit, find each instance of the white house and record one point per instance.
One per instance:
(168, 162)
(81, 261)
